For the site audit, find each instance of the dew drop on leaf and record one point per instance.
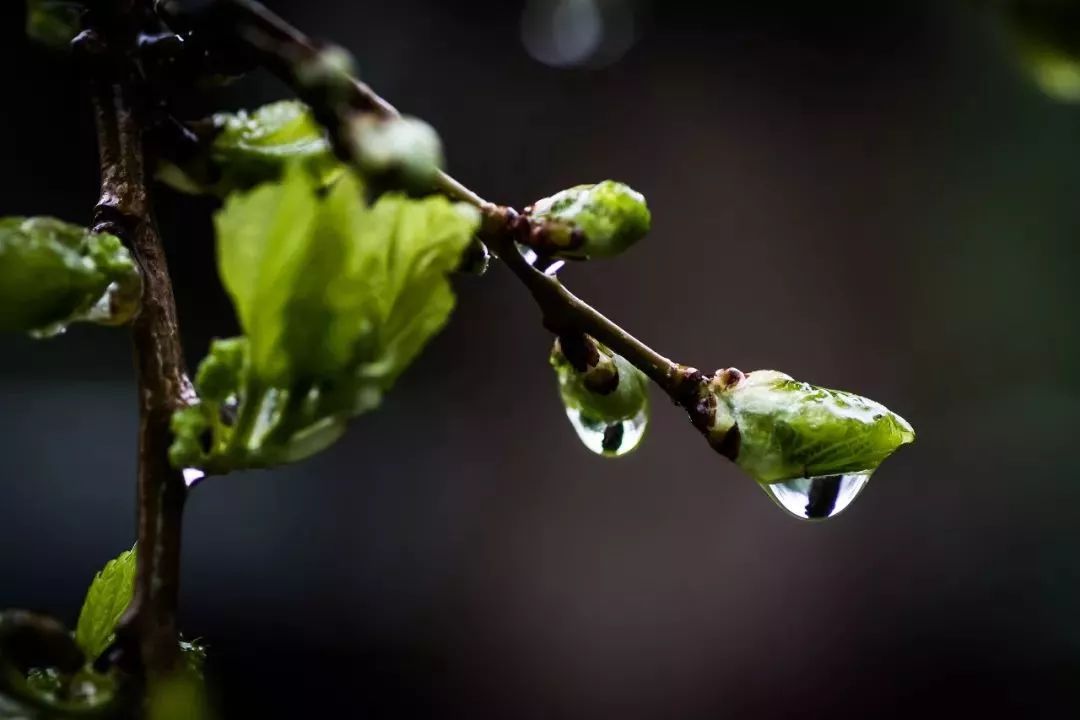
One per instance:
(609, 439)
(818, 498)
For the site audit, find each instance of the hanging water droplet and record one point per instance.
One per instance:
(546, 265)
(192, 476)
(610, 439)
(818, 498)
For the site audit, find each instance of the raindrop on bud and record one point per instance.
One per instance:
(606, 398)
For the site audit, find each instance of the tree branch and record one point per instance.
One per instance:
(270, 41)
(148, 629)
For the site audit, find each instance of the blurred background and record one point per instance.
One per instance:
(868, 196)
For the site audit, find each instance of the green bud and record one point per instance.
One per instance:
(404, 152)
(189, 428)
(778, 429)
(53, 273)
(586, 221)
(331, 68)
(606, 398)
(220, 372)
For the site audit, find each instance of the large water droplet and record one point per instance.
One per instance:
(610, 439)
(818, 498)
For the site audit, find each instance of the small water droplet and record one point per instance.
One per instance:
(192, 476)
(610, 439)
(818, 498)
(546, 265)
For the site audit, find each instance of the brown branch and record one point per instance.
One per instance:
(148, 629)
(270, 41)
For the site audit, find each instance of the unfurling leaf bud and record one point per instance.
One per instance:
(606, 398)
(587, 221)
(402, 152)
(220, 372)
(813, 448)
(190, 428)
(54, 273)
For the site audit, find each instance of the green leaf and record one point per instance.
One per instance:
(53, 23)
(601, 220)
(250, 148)
(54, 273)
(406, 250)
(108, 597)
(257, 146)
(335, 297)
(787, 429)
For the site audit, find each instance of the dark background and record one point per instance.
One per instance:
(874, 199)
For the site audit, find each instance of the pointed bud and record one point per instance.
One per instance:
(778, 429)
(587, 221)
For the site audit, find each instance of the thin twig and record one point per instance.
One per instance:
(270, 41)
(148, 628)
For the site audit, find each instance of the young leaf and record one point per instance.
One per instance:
(778, 429)
(249, 148)
(108, 597)
(53, 273)
(406, 250)
(335, 298)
